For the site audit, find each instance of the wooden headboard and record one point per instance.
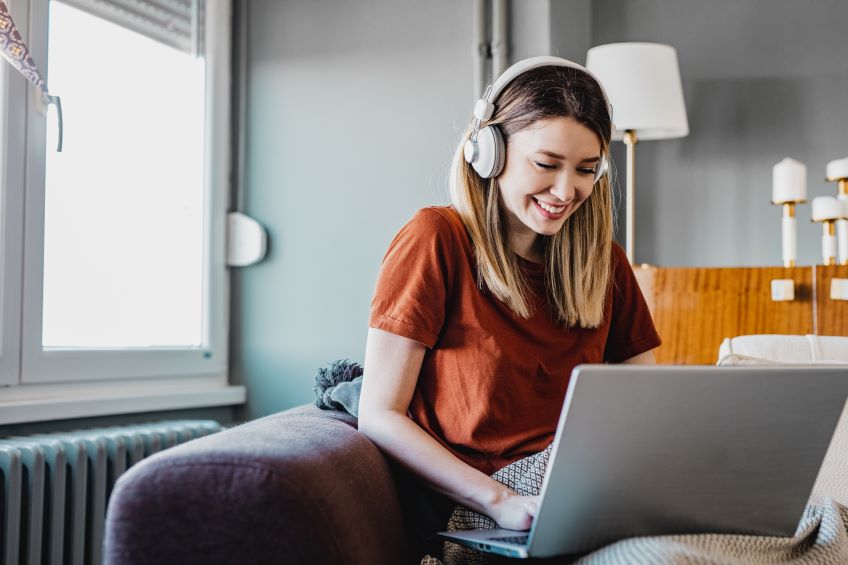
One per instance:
(694, 309)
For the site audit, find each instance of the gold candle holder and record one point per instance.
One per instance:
(837, 171)
(783, 290)
(829, 233)
(842, 223)
(789, 188)
(827, 210)
(789, 213)
(789, 232)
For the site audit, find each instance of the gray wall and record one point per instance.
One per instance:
(571, 29)
(763, 80)
(354, 108)
(529, 28)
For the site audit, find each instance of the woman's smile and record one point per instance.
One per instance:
(549, 211)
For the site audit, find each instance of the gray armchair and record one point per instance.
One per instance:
(300, 486)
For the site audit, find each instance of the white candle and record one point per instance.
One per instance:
(789, 181)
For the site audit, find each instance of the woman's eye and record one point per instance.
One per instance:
(586, 171)
(545, 166)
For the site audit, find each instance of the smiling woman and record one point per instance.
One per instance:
(482, 309)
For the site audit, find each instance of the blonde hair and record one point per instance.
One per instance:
(577, 257)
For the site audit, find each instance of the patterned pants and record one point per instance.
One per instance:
(525, 477)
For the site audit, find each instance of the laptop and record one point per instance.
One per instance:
(659, 450)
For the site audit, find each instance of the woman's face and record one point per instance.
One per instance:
(549, 172)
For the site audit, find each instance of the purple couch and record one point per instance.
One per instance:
(300, 486)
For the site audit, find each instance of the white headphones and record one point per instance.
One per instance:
(485, 149)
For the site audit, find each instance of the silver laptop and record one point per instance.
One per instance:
(656, 450)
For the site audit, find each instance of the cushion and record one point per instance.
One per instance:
(784, 350)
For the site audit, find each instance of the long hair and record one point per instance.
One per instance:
(577, 257)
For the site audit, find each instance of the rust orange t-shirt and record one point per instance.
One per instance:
(492, 385)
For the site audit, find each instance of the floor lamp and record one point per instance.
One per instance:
(642, 81)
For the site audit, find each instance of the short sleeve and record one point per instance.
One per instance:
(412, 288)
(632, 330)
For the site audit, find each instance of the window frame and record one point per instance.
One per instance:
(35, 373)
(12, 155)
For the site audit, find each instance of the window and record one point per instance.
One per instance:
(113, 250)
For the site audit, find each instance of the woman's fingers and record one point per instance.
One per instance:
(531, 504)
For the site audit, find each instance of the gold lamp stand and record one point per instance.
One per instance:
(630, 140)
(642, 83)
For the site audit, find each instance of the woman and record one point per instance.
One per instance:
(483, 308)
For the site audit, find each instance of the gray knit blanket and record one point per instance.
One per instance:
(821, 536)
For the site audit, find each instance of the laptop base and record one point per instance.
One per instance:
(491, 541)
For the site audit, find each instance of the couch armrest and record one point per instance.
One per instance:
(301, 486)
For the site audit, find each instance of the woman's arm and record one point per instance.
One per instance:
(646, 358)
(392, 364)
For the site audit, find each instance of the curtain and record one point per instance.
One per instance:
(14, 50)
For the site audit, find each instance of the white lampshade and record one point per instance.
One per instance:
(789, 182)
(642, 81)
(826, 208)
(837, 169)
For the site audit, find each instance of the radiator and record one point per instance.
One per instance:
(55, 487)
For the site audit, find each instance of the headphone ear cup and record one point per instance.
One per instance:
(489, 160)
(500, 148)
(603, 167)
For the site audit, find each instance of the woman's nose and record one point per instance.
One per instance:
(563, 187)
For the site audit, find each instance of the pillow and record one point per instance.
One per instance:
(783, 350)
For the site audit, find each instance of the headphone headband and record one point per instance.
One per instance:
(485, 149)
(485, 106)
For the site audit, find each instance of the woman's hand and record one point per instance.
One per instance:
(392, 364)
(513, 511)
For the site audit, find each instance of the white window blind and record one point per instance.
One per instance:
(178, 23)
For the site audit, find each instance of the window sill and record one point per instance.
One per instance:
(38, 403)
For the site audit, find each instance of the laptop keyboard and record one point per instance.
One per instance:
(518, 540)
